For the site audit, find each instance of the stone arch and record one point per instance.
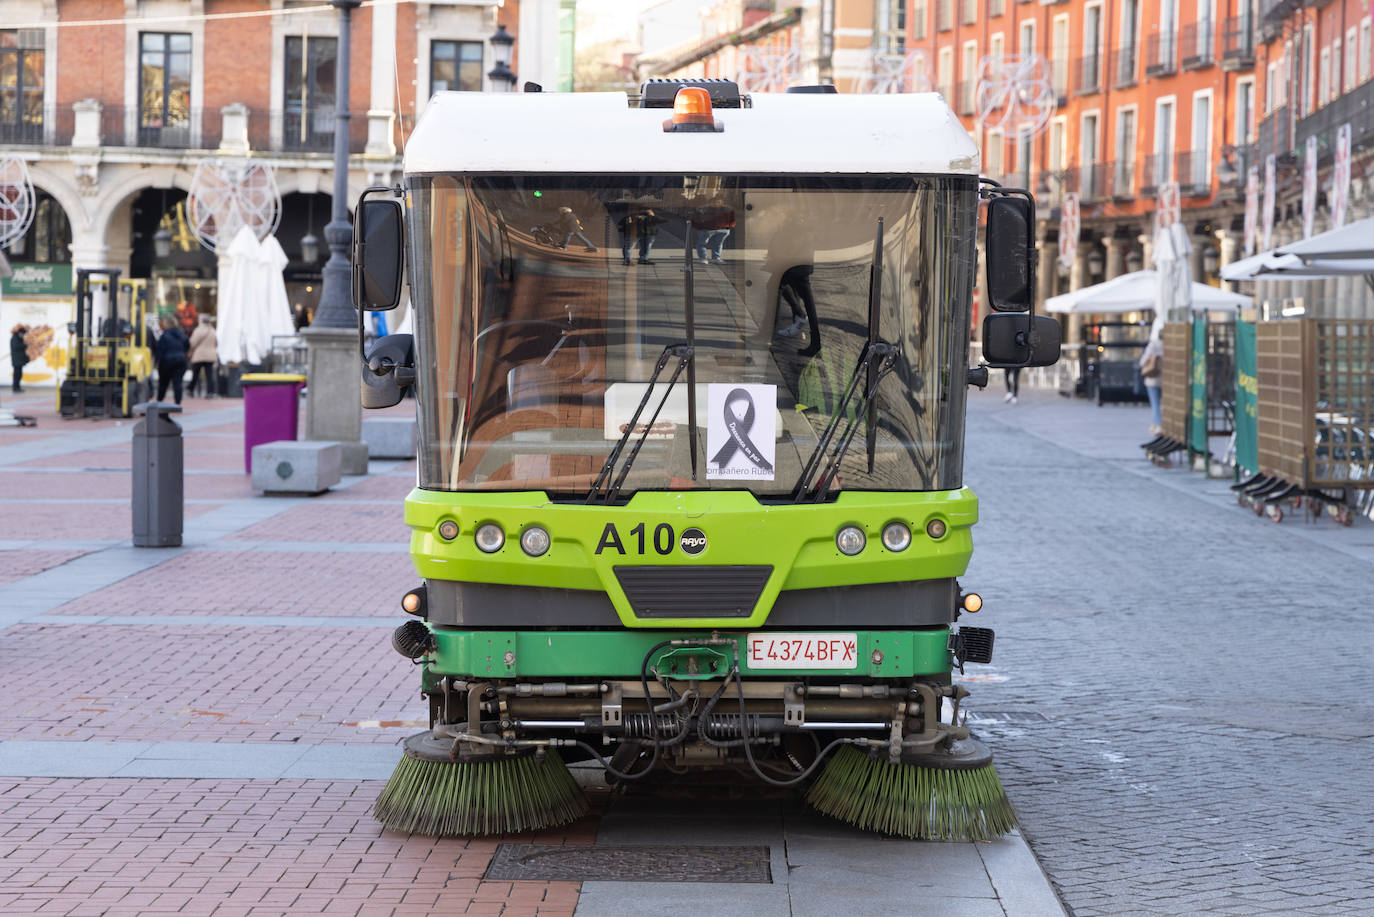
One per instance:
(117, 192)
(64, 192)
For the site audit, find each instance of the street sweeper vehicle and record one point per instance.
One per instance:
(690, 493)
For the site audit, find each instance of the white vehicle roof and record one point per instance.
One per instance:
(598, 132)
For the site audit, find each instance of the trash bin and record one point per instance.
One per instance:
(270, 405)
(157, 466)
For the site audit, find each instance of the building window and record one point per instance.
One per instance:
(1245, 111)
(164, 88)
(21, 86)
(1364, 50)
(1324, 77)
(892, 27)
(49, 238)
(1351, 37)
(919, 14)
(996, 8)
(308, 115)
(993, 161)
(455, 65)
(1123, 180)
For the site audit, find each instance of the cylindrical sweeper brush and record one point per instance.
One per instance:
(946, 796)
(430, 793)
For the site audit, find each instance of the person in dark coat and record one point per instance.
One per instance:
(19, 354)
(170, 352)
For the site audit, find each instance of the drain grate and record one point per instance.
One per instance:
(631, 864)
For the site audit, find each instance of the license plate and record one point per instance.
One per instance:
(803, 651)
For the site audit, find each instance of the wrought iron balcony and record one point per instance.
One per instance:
(1356, 106)
(1087, 72)
(1161, 55)
(1125, 67)
(1196, 40)
(1193, 173)
(1158, 171)
(1092, 184)
(1238, 43)
(1123, 179)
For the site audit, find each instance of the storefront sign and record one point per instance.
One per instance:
(1247, 399)
(1197, 389)
(31, 279)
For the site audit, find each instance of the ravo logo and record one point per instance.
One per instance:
(693, 541)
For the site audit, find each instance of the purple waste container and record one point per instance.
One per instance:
(269, 410)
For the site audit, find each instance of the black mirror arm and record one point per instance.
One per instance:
(978, 376)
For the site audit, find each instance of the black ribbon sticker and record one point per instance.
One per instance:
(738, 427)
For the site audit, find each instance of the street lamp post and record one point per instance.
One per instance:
(502, 77)
(333, 411)
(336, 297)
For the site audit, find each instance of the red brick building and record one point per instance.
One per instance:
(1144, 94)
(113, 105)
(1314, 72)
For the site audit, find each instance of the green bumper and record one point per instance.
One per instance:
(620, 654)
(589, 543)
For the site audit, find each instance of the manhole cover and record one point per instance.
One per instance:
(630, 864)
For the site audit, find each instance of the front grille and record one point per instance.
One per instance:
(693, 592)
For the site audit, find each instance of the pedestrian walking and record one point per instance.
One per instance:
(568, 225)
(1152, 373)
(712, 231)
(170, 351)
(204, 357)
(1013, 380)
(644, 226)
(19, 354)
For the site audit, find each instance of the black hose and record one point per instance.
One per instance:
(749, 752)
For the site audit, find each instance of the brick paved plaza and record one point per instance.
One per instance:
(1178, 702)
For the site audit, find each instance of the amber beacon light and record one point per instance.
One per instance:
(692, 111)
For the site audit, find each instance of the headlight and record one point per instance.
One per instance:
(535, 541)
(850, 540)
(935, 528)
(490, 538)
(896, 536)
(448, 530)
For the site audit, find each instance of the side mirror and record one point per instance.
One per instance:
(1011, 253)
(389, 371)
(1011, 341)
(378, 247)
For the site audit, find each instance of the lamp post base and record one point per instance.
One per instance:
(333, 411)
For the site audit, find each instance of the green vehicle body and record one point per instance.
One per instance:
(796, 541)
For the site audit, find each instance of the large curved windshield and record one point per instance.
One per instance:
(732, 314)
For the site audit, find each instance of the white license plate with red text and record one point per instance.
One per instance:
(803, 651)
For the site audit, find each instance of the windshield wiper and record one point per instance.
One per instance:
(875, 362)
(683, 352)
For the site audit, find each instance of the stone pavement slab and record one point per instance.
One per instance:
(202, 729)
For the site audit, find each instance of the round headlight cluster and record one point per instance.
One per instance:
(935, 528)
(489, 538)
(535, 540)
(850, 540)
(448, 530)
(896, 536)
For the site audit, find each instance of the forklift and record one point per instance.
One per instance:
(110, 363)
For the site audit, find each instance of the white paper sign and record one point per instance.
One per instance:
(740, 423)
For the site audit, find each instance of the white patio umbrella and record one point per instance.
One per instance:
(1136, 292)
(1351, 241)
(1272, 266)
(268, 312)
(237, 267)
